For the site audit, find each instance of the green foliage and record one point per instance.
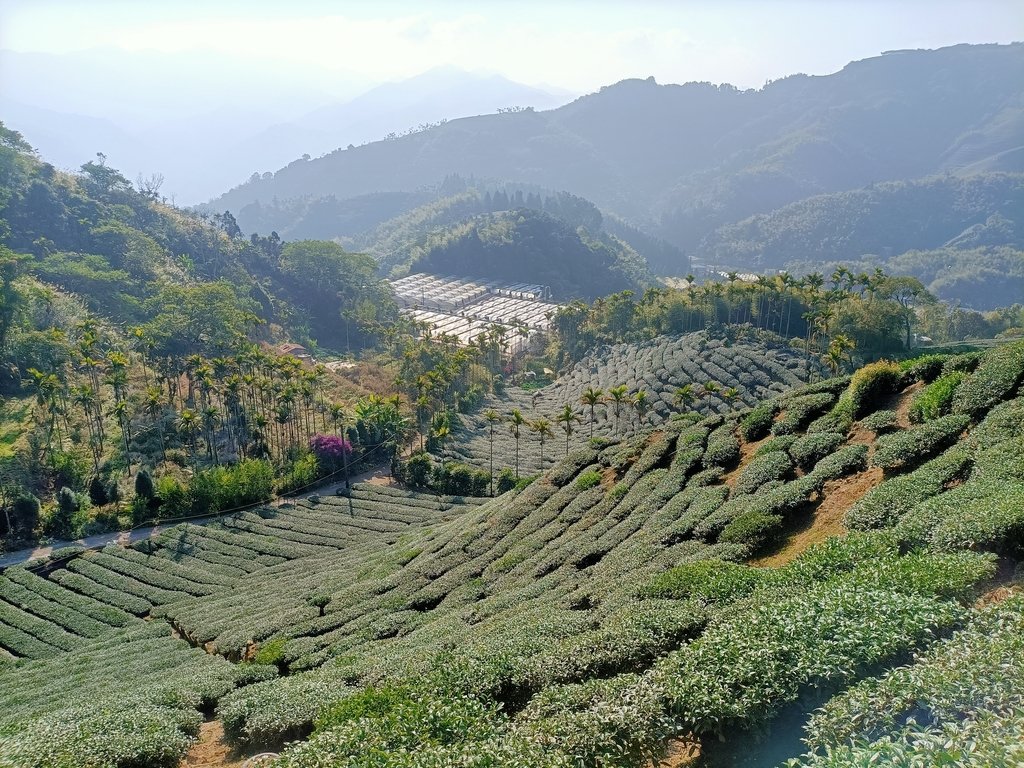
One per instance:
(270, 653)
(763, 469)
(798, 411)
(885, 504)
(881, 421)
(714, 581)
(910, 446)
(301, 473)
(756, 424)
(936, 399)
(871, 386)
(144, 487)
(506, 480)
(589, 479)
(948, 695)
(997, 376)
(926, 368)
(723, 448)
(809, 449)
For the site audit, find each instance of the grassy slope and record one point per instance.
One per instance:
(604, 608)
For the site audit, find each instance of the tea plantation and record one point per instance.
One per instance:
(813, 579)
(742, 372)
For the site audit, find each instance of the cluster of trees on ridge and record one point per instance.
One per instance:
(873, 313)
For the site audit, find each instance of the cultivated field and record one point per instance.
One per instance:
(755, 370)
(679, 582)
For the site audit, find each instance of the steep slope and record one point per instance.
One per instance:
(599, 611)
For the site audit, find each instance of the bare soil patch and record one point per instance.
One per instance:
(747, 451)
(212, 750)
(902, 404)
(827, 520)
(681, 753)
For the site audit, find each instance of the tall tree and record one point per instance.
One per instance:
(493, 418)
(515, 425)
(591, 397)
(567, 418)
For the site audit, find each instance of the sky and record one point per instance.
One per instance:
(575, 45)
(208, 92)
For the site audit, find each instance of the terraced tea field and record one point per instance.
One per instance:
(585, 620)
(661, 367)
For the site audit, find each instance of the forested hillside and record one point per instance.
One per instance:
(961, 236)
(683, 160)
(528, 246)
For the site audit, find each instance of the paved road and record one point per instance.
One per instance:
(377, 475)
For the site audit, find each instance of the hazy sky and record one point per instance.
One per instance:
(209, 92)
(576, 45)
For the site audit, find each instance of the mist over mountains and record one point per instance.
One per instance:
(175, 116)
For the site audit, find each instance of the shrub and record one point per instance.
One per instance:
(880, 422)
(776, 443)
(506, 480)
(926, 368)
(144, 485)
(884, 505)
(589, 479)
(810, 449)
(271, 652)
(997, 376)
(753, 528)
(936, 399)
(764, 469)
(330, 450)
(301, 473)
(845, 461)
(715, 581)
(871, 385)
(61, 525)
(723, 448)
(900, 449)
(758, 422)
(417, 469)
(98, 492)
(23, 516)
(967, 362)
(801, 410)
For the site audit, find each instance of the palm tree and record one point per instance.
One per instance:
(515, 423)
(493, 418)
(567, 418)
(837, 349)
(710, 388)
(642, 405)
(211, 417)
(339, 415)
(120, 410)
(619, 395)
(543, 429)
(188, 424)
(684, 396)
(591, 397)
(441, 429)
(730, 395)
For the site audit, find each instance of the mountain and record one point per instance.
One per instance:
(683, 160)
(208, 136)
(962, 236)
